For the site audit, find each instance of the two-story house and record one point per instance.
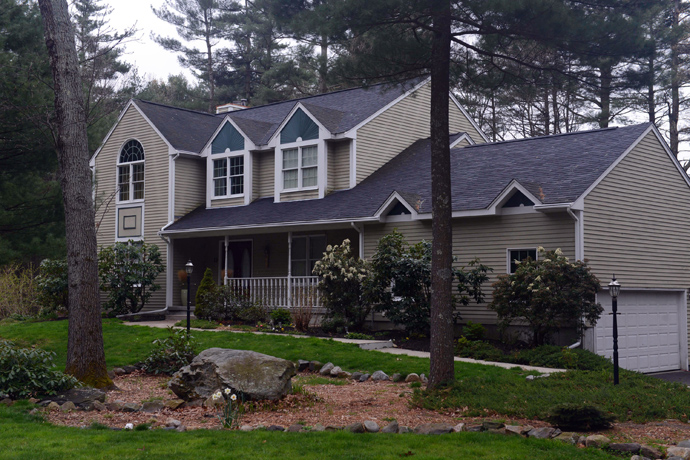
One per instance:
(256, 194)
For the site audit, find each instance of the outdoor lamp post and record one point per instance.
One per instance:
(189, 268)
(614, 291)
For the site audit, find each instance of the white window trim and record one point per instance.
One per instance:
(299, 145)
(131, 175)
(508, 259)
(226, 156)
(124, 239)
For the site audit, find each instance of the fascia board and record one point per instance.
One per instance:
(92, 161)
(469, 118)
(513, 185)
(392, 197)
(463, 137)
(273, 140)
(680, 168)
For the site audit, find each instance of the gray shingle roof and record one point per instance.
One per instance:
(338, 112)
(561, 166)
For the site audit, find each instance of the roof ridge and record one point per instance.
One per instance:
(174, 107)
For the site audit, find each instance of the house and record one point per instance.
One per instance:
(256, 194)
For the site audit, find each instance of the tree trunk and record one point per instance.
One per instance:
(85, 354)
(209, 63)
(674, 111)
(442, 364)
(651, 102)
(323, 65)
(605, 80)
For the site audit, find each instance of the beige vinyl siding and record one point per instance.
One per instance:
(264, 174)
(270, 257)
(397, 128)
(339, 165)
(190, 184)
(134, 126)
(223, 202)
(636, 221)
(299, 195)
(487, 238)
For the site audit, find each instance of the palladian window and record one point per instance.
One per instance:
(130, 172)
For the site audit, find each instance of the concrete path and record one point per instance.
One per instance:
(385, 346)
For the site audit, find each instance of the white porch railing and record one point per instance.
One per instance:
(280, 292)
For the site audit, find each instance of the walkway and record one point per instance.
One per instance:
(385, 346)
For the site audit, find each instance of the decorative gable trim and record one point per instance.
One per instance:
(463, 137)
(382, 212)
(248, 144)
(274, 140)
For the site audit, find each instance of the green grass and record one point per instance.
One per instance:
(23, 436)
(198, 324)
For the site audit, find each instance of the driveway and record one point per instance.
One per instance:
(674, 376)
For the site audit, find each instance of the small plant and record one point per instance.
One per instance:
(182, 277)
(473, 331)
(231, 411)
(206, 287)
(142, 427)
(358, 336)
(477, 349)
(579, 417)
(281, 316)
(172, 353)
(27, 372)
(53, 293)
(301, 317)
(19, 294)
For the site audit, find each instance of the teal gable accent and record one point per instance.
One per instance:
(300, 125)
(227, 138)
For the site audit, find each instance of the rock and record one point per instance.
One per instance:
(685, 443)
(496, 431)
(649, 451)
(335, 371)
(246, 428)
(326, 369)
(405, 429)
(111, 374)
(412, 378)
(173, 403)
(295, 428)
(628, 447)
(130, 369)
(318, 427)
(115, 405)
(392, 427)
(475, 428)
(597, 440)
(99, 406)
(181, 429)
(34, 400)
(152, 406)
(53, 406)
(568, 437)
(68, 406)
(434, 428)
(397, 377)
(491, 425)
(541, 433)
(364, 378)
(275, 428)
(682, 452)
(344, 375)
(194, 403)
(171, 422)
(356, 376)
(515, 429)
(118, 371)
(254, 375)
(131, 407)
(640, 457)
(315, 366)
(302, 365)
(379, 376)
(210, 402)
(371, 427)
(79, 396)
(332, 428)
(460, 427)
(424, 379)
(357, 427)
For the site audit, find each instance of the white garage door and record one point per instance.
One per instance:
(651, 330)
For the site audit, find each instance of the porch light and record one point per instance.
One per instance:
(189, 268)
(614, 291)
(614, 288)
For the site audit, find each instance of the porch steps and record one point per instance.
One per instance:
(178, 313)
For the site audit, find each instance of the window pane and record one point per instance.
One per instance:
(123, 182)
(309, 156)
(138, 190)
(299, 248)
(299, 268)
(290, 159)
(220, 168)
(220, 187)
(124, 192)
(317, 246)
(236, 166)
(138, 172)
(290, 179)
(236, 185)
(309, 177)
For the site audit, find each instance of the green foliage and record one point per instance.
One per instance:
(478, 349)
(206, 288)
(400, 285)
(341, 283)
(18, 291)
(53, 289)
(548, 294)
(358, 336)
(227, 303)
(170, 354)
(27, 372)
(281, 316)
(473, 331)
(128, 272)
(579, 417)
(231, 409)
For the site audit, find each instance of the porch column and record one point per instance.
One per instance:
(225, 270)
(289, 275)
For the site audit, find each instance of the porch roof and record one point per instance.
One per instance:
(558, 169)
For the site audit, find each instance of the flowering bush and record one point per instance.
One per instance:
(548, 294)
(231, 411)
(341, 285)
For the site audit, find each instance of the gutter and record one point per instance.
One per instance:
(361, 239)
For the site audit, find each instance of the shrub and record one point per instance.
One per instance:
(226, 303)
(128, 272)
(18, 291)
(473, 331)
(301, 316)
(53, 288)
(27, 372)
(253, 311)
(359, 336)
(203, 292)
(169, 355)
(548, 294)
(281, 316)
(561, 357)
(477, 349)
(341, 285)
(579, 417)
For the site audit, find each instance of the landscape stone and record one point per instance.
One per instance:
(371, 426)
(302, 365)
(246, 428)
(152, 406)
(356, 375)
(491, 425)
(685, 443)
(115, 405)
(364, 378)
(541, 433)
(254, 375)
(315, 366)
(295, 428)
(434, 428)
(597, 440)
(131, 407)
(379, 376)
(514, 429)
(194, 403)
(275, 428)
(99, 406)
(335, 371)
(130, 369)
(210, 402)
(79, 396)
(318, 427)
(326, 369)
(392, 427)
(118, 371)
(404, 429)
(424, 379)
(344, 375)
(630, 447)
(171, 422)
(357, 427)
(682, 452)
(181, 429)
(111, 374)
(332, 428)
(569, 437)
(649, 451)
(53, 406)
(412, 378)
(173, 403)
(68, 406)
(475, 428)
(460, 427)
(397, 377)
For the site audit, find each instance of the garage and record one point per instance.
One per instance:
(652, 330)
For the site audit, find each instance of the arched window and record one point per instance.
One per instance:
(130, 172)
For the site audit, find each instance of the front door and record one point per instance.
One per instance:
(239, 259)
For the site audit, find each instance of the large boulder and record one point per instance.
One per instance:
(253, 375)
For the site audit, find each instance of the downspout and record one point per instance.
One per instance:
(579, 250)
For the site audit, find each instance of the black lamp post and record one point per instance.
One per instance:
(189, 268)
(614, 291)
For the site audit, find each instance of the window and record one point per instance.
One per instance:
(519, 255)
(228, 176)
(306, 251)
(300, 167)
(130, 172)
